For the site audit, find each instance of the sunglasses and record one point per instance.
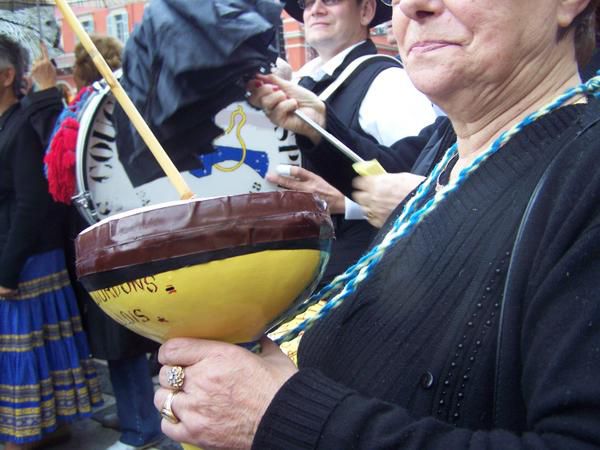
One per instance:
(307, 4)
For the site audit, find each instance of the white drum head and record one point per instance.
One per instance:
(250, 147)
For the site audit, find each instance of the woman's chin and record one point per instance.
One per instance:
(434, 85)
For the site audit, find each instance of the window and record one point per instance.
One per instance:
(87, 22)
(60, 27)
(118, 25)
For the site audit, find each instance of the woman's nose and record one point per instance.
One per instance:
(419, 9)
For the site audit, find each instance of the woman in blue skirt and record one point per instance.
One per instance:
(46, 375)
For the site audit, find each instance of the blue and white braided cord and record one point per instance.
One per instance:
(411, 216)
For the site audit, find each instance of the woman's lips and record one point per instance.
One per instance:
(428, 46)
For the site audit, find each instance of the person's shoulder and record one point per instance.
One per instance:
(394, 85)
(575, 166)
(588, 147)
(42, 104)
(42, 99)
(588, 138)
(395, 74)
(385, 62)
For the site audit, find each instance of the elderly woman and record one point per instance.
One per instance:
(47, 378)
(474, 321)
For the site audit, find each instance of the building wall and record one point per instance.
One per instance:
(99, 11)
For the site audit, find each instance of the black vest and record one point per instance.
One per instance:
(352, 236)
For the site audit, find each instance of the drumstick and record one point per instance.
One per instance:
(134, 115)
(329, 137)
(360, 166)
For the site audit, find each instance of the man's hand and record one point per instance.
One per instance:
(7, 292)
(379, 195)
(299, 179)
(43, 71)
(279, 99)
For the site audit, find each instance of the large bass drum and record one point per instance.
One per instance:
(250, 147)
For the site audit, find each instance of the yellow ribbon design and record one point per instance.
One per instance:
(239, 111)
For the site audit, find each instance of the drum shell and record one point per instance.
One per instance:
(237, 264)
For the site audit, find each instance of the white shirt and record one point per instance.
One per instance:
(391, 109)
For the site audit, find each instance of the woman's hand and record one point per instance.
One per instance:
(279, 99)
(7, 292)
(379, 195)
(299, 179)
(43, 71)
(226, 390)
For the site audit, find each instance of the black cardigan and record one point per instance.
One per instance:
(416, 359)
(30, 222)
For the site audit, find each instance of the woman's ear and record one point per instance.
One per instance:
(568, 10)
(7, 77)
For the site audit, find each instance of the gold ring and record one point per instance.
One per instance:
(370, 215)
(175, 377)
(166, 412)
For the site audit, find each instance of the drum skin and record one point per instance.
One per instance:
(249, 148)
(227, 268)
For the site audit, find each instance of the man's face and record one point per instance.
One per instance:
(334, 25)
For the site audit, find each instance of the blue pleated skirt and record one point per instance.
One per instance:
(47, 376)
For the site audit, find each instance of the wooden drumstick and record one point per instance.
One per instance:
(136, 118)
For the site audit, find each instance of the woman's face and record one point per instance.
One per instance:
(450, 45)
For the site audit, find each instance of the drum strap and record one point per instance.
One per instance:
(354, 69)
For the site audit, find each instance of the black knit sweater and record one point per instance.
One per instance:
(30, 222)
(410, 361)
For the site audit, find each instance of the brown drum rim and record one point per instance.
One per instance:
(203, 229)
(106, 279)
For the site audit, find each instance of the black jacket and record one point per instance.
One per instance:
(30, 222)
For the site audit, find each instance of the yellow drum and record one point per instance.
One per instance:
(227, 268)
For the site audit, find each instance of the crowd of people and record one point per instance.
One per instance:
(47, 375)
(472, 320)
(462, 293)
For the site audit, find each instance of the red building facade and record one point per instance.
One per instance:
(104, 17)
(118, 18)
